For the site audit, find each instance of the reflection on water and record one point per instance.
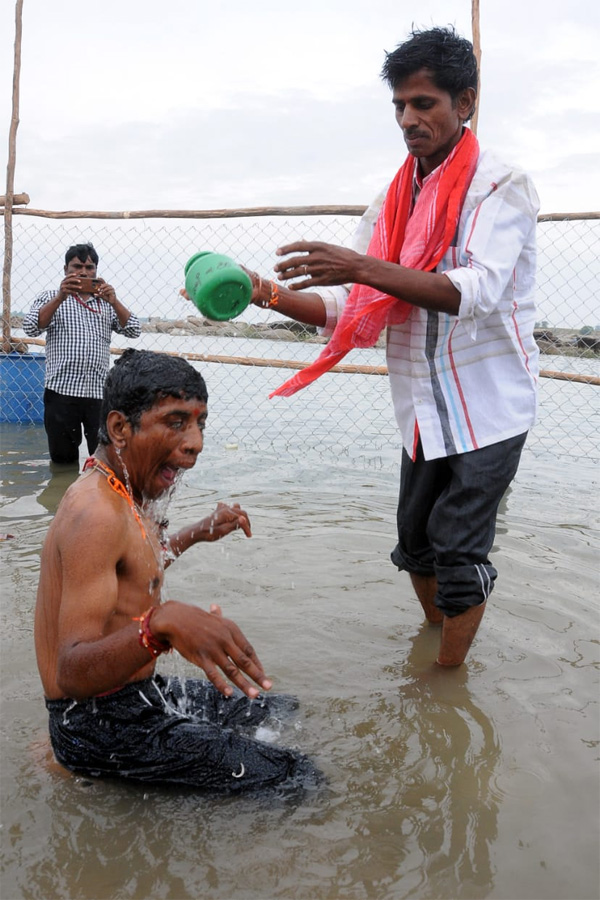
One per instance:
(58, 482)
(469, 783)
(424, 769)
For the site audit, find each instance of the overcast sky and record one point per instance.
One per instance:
(190, 104)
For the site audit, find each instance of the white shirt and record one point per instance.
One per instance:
(464, 382)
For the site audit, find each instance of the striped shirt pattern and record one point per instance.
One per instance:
(468, 381)
(78, 343)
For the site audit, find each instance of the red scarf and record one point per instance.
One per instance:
(416, 241)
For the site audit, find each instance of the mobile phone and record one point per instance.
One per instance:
(89, 285)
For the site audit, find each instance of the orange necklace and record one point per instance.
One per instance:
(118, 487)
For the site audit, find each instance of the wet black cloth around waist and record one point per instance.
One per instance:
(178, 731)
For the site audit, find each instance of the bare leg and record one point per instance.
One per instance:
(426, 588)
(457, 635)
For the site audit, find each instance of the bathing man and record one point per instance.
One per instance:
(100, 620)
(445, 260)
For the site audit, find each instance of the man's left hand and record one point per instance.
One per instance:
(106, 292)
(320, 264)
(224, 520)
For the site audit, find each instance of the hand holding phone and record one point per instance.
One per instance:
(89, 285)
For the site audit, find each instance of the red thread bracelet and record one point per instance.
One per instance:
(152, 644)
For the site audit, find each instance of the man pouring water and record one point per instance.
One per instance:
(444, 261)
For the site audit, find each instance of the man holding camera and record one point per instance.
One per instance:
(78, 320)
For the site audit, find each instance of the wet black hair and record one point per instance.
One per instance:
(81, 251)
(140, 378)
(448, 56)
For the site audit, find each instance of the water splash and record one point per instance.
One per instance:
(267, 734)
(125, 472)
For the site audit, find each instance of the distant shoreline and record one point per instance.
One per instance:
(551, 341)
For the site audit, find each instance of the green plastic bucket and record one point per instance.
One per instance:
(217, 286)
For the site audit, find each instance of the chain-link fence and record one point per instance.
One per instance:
(243, 360)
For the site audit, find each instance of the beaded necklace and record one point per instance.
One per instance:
(87, 306)
(145, 636)
(118, 487)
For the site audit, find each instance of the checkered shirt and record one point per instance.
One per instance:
(78, 343)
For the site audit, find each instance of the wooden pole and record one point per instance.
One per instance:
(345, 368)
(477, 51)
(236, 213)
(17, 198)
(244, 212)
(10, 179)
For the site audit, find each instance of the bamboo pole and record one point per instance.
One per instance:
(344, 368)
(477, 51)
(569, 376)
(567, 217)
(257, 211)
(244, 213)
(10, 178)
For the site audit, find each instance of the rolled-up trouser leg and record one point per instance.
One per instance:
(447, 520)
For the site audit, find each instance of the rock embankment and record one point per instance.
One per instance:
(563, 342)
(558, 342)
(555, 342)
(195, 325)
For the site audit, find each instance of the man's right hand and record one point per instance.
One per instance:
(213, 643)
(71, 284)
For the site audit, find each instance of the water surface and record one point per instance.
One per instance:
(471, 783)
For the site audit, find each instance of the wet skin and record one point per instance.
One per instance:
(168, 440)
(100, 570)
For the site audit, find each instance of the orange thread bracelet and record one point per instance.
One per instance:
(146, 639)
(274, 298)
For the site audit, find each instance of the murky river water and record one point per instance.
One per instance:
(471, 783)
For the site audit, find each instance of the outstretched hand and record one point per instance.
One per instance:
(223, 521)
(319, 264)
(214, 643)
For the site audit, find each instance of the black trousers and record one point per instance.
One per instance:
(64, 417)
(447, 519)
